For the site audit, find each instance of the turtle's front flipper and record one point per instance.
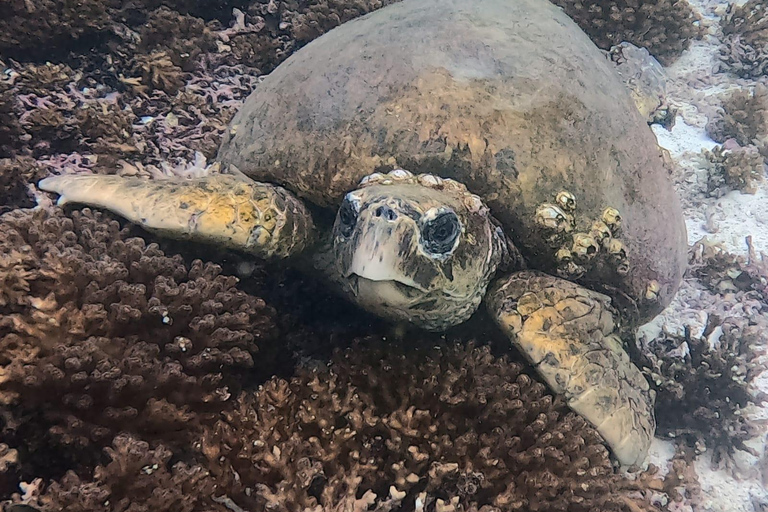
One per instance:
(230, 211)
(568, 333)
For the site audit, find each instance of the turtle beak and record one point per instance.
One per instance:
(374, 266)
(374, 269)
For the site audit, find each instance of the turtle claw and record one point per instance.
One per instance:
(225, 210)
(568, 333)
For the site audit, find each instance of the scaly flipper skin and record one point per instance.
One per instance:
(225, 210)
(568, 333)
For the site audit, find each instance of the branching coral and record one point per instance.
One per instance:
(103, 333)
(723, 272)
(743, 117)
(664, 27)
(183, 37)
(146, 56)
(157, 71)
(49, 26)
(744, 50)
(16, 174)
(443, 429)
(137, 478)
(705, 382)
(10, 128)
(741, 168)
(702, 390)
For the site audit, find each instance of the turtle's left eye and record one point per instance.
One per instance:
(439, 235)
(347, 217)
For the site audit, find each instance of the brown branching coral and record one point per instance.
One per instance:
(103, 333)
(446, 429)
(268, 31)
(703, 386)
(49, 26)
(137, 478)
(705, 382)
(741, 168)
(183, 37)
(664, 27)
(157, 71)
(147, 60)
(56, 110)
(10, 128)
(723, 272)
(744, 50)
(16, 174)
(743, 117)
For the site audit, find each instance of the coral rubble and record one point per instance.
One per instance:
(664, 27)
(744, 50)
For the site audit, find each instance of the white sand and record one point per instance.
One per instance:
(727, 220)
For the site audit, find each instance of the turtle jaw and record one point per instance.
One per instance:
(386, 293)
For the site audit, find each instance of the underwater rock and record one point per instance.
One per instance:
(744, 50)
(664, 27)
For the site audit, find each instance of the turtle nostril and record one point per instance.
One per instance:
(386, 213)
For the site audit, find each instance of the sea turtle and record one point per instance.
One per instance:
(531, 180)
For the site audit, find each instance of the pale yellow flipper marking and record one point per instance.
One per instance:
(224, 210)
(568, 333)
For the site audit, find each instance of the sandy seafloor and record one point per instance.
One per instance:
(728, 220)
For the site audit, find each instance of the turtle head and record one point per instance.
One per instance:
(416, 248)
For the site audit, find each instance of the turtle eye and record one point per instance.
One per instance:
(347, 217)
(439, 235)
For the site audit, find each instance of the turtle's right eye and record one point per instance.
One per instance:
(347, 217)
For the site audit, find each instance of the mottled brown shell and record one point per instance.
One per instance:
(510, 98)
